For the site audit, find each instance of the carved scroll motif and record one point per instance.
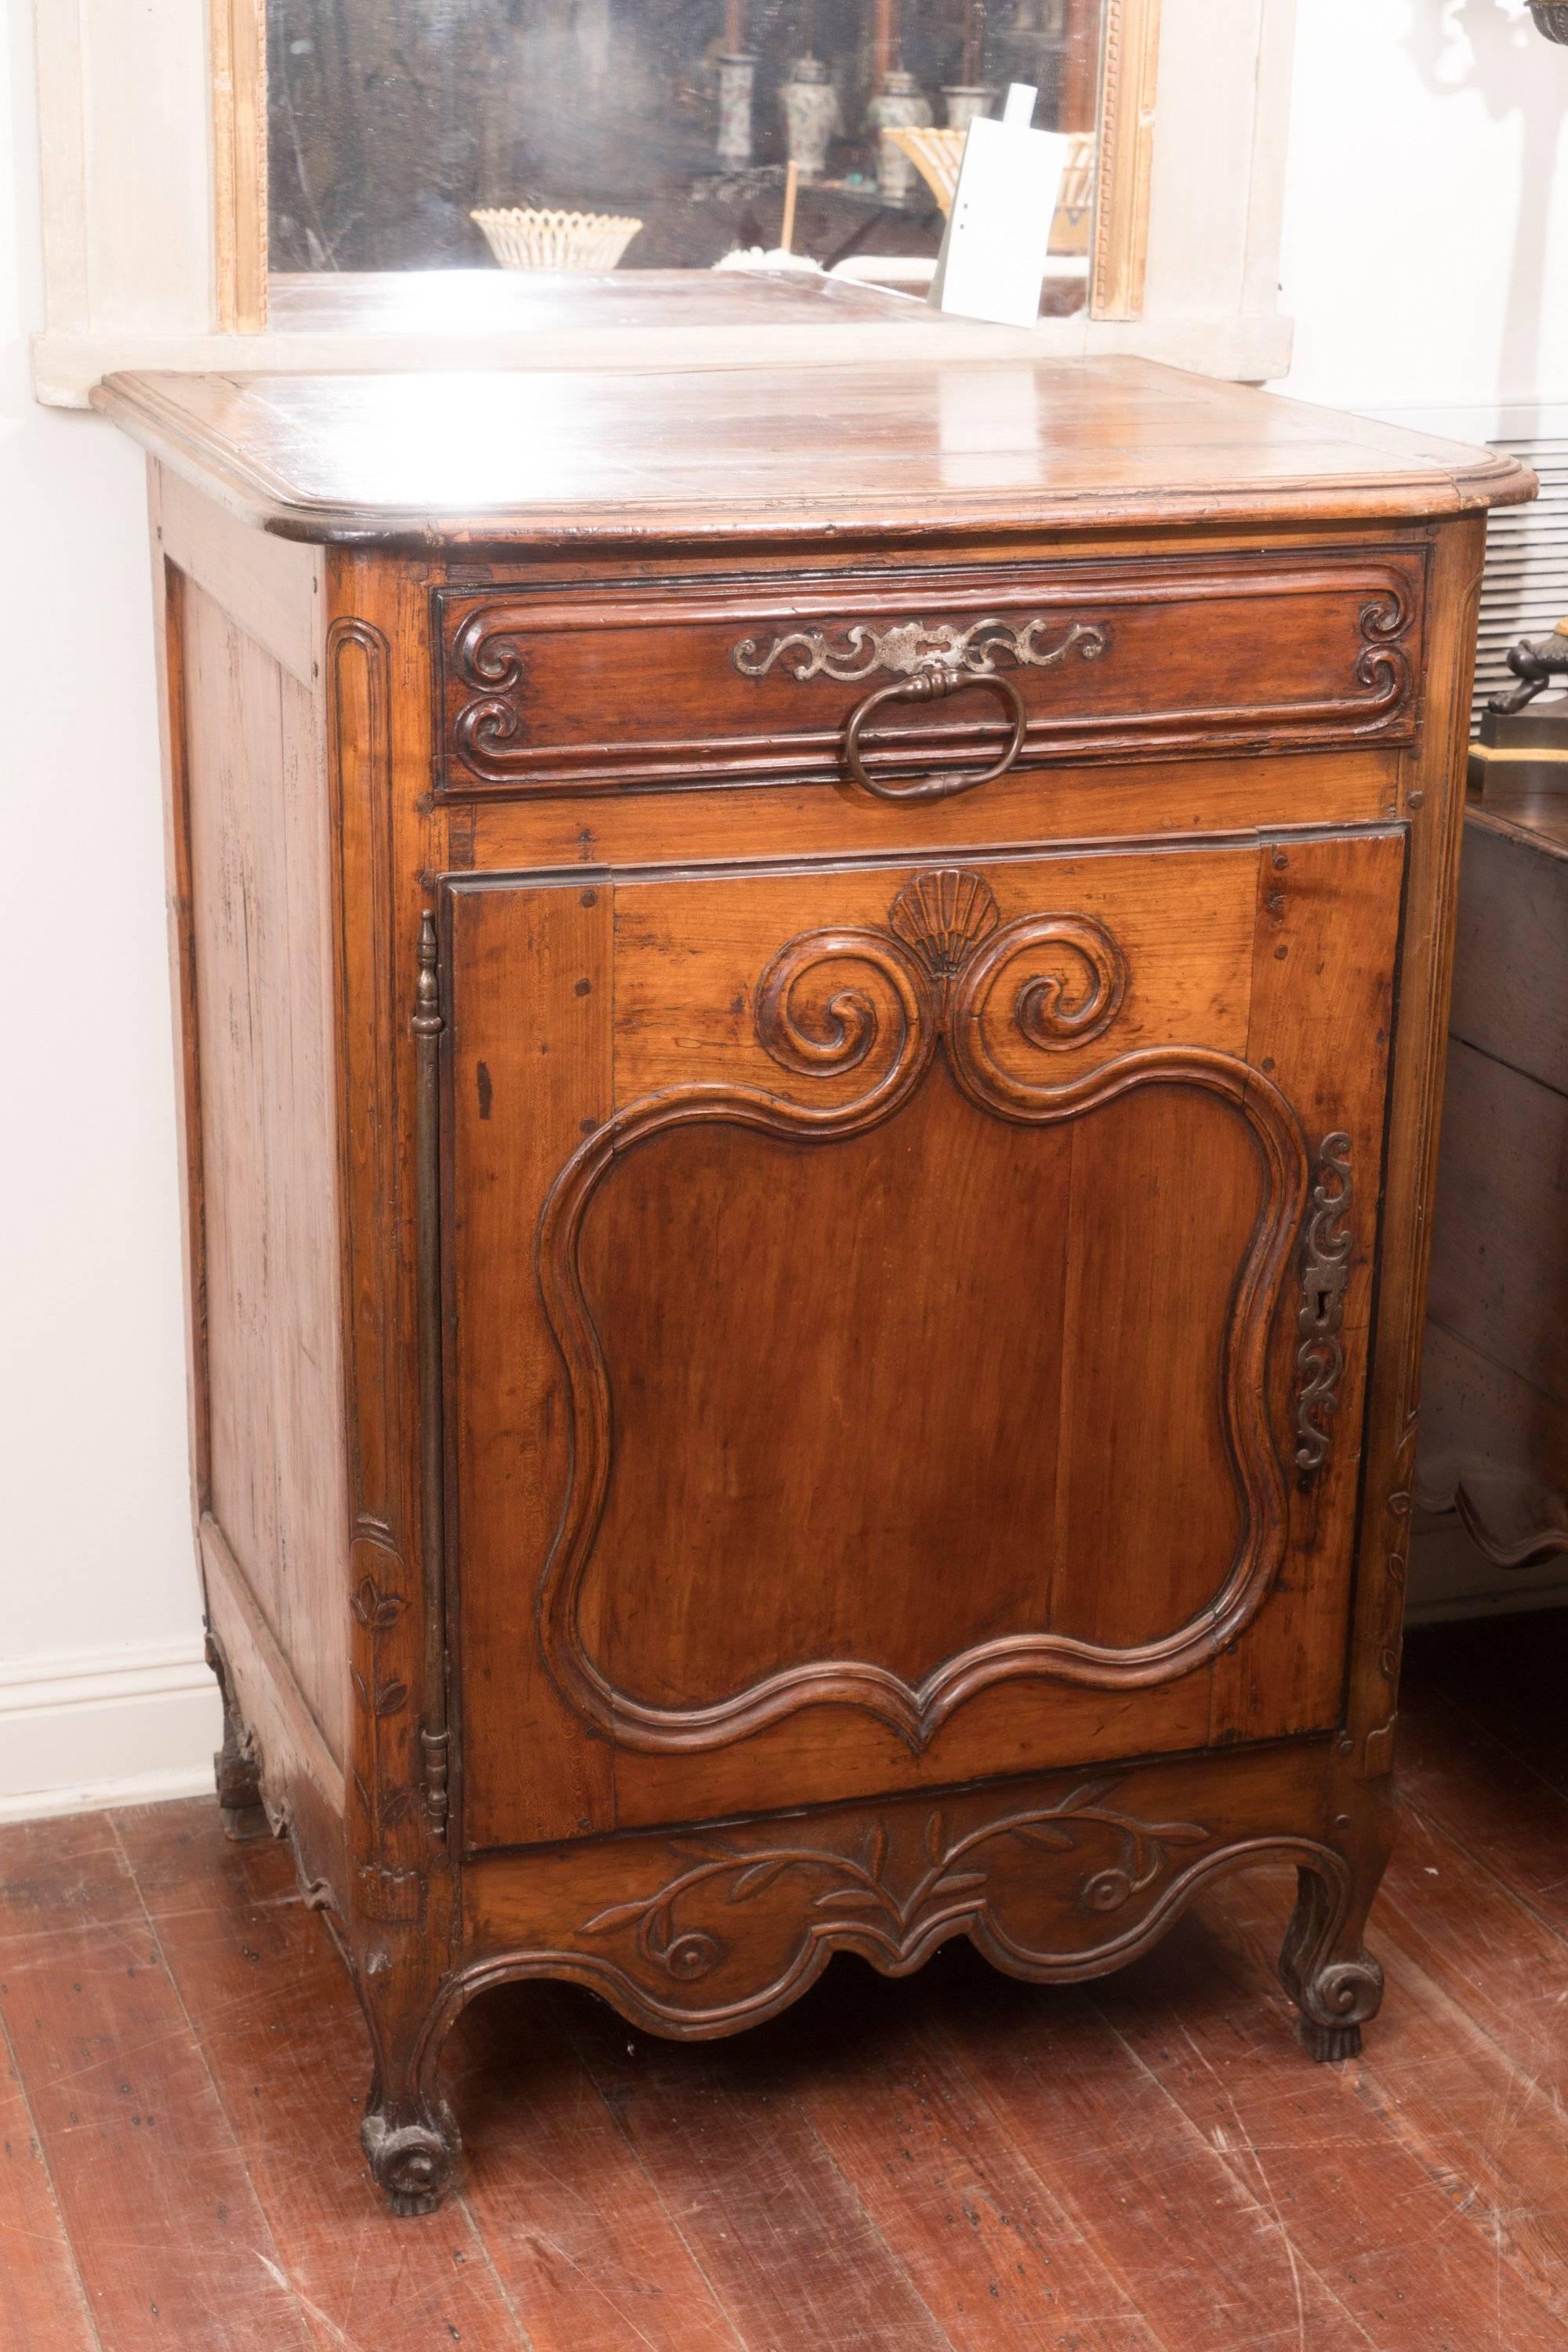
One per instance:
(493, 662)
(1325, 1270)
(833, 1003)
(910, 646)
(941, 958)
(1382, 666)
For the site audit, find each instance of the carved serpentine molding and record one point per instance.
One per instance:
(907, 647)
(859, 1900)
(697, 1997)
(1325, 1271)
(926, 983)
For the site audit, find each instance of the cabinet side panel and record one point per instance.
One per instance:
(262, 952)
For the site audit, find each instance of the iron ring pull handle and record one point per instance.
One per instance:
(931, 683)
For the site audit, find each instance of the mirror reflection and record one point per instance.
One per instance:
(668, 123)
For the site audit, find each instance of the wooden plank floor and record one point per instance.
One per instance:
(955, 2164)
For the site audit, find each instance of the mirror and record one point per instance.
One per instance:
(391, 123)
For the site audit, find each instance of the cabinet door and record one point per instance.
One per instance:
(907, 1322)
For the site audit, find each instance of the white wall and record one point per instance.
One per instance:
(1427, 206)
(1427, 195)
(100, 1678)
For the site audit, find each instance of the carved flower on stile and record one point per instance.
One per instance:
(375, 1608)
(391, 1805)
(386, 1698)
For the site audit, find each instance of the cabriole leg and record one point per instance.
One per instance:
(1333, 1978)
(409, 2133)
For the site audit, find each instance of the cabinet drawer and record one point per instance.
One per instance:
(715, 681)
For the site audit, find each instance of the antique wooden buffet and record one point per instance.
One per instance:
(812, 1008)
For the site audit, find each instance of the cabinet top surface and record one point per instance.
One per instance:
(563, 458)
(648, 303)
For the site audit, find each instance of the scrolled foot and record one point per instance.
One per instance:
(1335, 2003)
(1335, 1995)
(1329, 2045)
(412, 2159)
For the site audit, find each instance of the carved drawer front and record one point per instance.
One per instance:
(920, 684)
(908, 1318)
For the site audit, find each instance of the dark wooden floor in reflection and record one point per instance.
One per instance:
(1146, 2165)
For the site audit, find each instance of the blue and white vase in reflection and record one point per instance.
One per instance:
(900, 105)
(965, 101)
(810, 106)
(737, 81)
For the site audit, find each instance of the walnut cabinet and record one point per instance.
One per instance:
(810, 1015)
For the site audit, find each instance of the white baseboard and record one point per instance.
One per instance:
(106, 1727)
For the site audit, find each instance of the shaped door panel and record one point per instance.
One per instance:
(873, 1292)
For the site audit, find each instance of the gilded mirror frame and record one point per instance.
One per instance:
(1129, 78)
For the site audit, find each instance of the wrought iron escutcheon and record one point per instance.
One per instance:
(1325, 1270)
(930, 661)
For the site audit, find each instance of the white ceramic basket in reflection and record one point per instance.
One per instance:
(522, 238)
(937, 155)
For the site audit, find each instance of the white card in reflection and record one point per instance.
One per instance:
(993, 261)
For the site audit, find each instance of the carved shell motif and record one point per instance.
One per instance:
(943, 917)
